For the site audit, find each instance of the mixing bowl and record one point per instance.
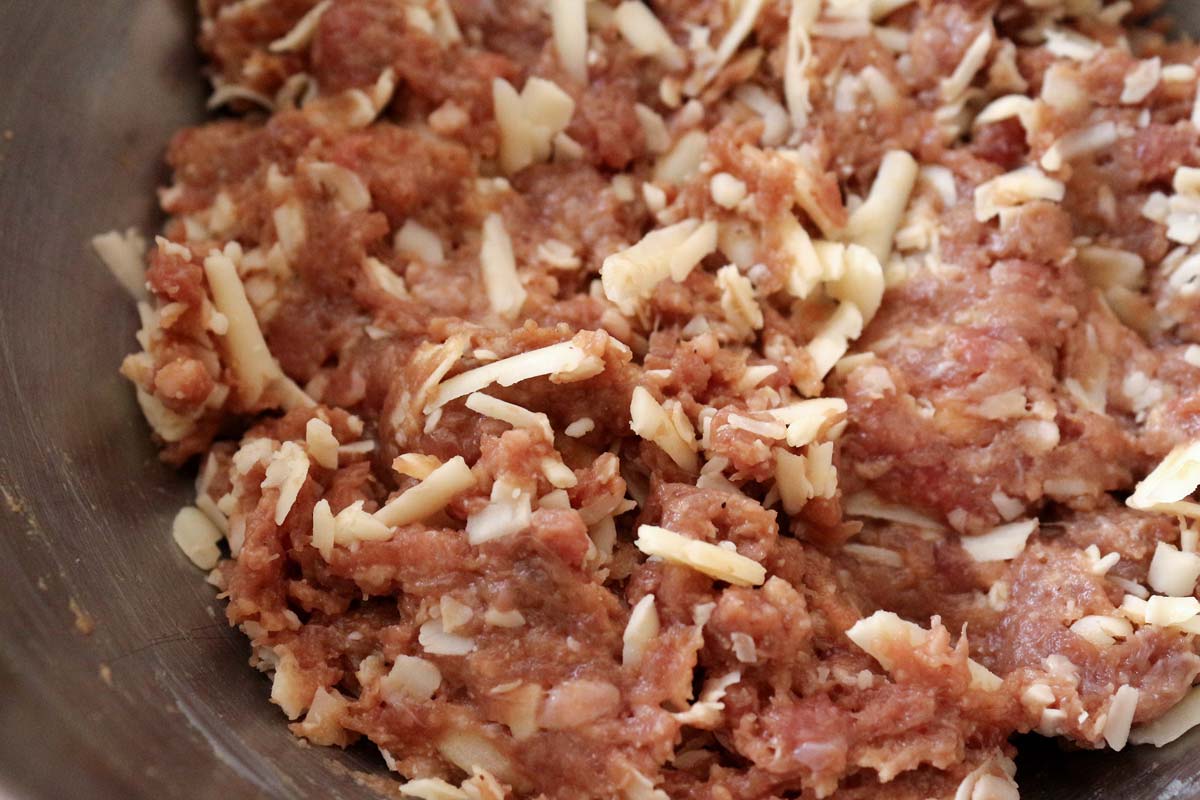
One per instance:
(119, 678)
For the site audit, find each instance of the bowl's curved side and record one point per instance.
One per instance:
(157, 701)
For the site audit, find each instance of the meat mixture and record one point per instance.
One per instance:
(691, 398)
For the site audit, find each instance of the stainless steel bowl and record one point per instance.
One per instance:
(156, 701)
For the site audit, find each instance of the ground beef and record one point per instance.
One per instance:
(451, 373)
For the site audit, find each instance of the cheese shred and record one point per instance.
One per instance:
(429, 496)
(712, 560)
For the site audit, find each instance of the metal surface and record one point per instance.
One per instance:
(91, 91)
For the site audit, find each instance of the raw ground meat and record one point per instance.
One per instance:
(877, 312)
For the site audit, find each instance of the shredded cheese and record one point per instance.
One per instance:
(683, 160)
(1173, 572)
(323, 529)
(455, 613)
(503, 286)
(956, 83)
(630, 276)
(797, 55)
(806, 268)
(650, 420)
(382, 276)
(1108, 267)
(470, 750)
(412, 678)
(744, 648)
(558, 474)
(287, 471)
(853, 275)
(776, 123)
(640, 631)
(564, 362)
(705, 713)
(429, 496)
(416, 465)
(558, 255)
(873, 224)
(580, 427)
(1009, 106)
(1120, 717)
(737, 301)
(1166, 488)
(302, 33)
(1169, 612)
(290, 228)
(351, 526)
(169, 425)
(726, 190)
(1079, 143)
(322, 724)
(1181, 211)
(1178, 73)
(432, 789)
(252, 363)
(1072, 45)
(1014, 189)
(646, 34)
(1141, 81)
(767, 429)
(358, 108)
(747, 15)
(568, 20)
(792, 480)
(822, 475)
(874, 555)
(1002, 543)
(504, 619)
(224, 93)
(1100, 565)
(833, 339)
(654, 128)
(436, 641)
(322, 444)
(866, 10)
(445, 24)
(991, 780)
(1101, 630)
(414, 240)
(529, 121)
(289, 690)
(348, 190)
(884, 633)
(511, 413)
(709, 559)
(867, 504)
(197, 537)
(508, 512)
(518, 708)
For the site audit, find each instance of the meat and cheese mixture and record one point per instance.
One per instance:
(691, 398)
